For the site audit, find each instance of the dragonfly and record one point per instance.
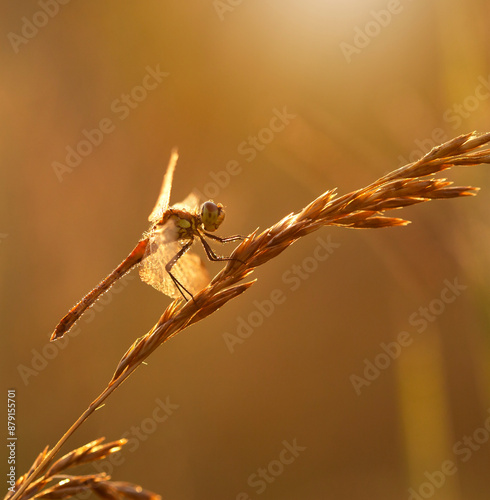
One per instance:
(162, 254)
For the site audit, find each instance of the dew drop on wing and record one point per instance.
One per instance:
(189, 270)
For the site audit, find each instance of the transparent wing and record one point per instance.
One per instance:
(164, 196)
(191, 203)
(189, 270)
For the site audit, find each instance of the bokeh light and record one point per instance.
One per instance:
(293, 98)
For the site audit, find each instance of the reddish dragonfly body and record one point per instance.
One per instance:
(163, 253)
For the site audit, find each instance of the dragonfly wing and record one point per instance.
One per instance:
(164, 196)
(189, 270)
(191, 202)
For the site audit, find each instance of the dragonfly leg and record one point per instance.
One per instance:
(210, 252)
(180, 287)
(227, 239)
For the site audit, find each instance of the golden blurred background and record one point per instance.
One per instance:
(270, 103)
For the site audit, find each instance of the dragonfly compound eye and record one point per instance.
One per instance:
(212, 215)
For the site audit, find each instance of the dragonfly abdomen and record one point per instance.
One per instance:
(76, 311)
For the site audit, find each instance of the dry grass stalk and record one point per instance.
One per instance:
(360, 209)
(363, 208)
(68, 485)
(100, 484)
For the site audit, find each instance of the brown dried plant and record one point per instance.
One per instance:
(364, 208)
(56, 484)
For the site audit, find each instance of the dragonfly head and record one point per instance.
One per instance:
(212, 215)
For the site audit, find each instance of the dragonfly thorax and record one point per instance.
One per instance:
(212, 215)
(163, 253)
